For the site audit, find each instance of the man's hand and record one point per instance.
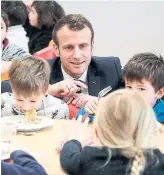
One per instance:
(66, 88)
(92, 105)
(79, 100)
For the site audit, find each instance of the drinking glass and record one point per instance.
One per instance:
(8, 131)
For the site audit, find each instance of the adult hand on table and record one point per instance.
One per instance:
(66, 88)
(92, 105)
(79, 100)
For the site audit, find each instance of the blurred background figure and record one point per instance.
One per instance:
(17, 15)
(43, 15)
(8, 50)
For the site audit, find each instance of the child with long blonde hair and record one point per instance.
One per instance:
(124, 127)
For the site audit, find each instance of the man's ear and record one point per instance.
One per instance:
(160, 93)
(56, 50)
(92, 44)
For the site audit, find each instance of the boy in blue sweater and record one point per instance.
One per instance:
(143, 72)
(23, 164)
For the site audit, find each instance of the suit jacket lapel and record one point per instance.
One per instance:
(93, 79)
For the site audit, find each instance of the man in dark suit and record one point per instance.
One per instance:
(102, 72)
(73, 36)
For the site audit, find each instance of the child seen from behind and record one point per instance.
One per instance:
(122, 138)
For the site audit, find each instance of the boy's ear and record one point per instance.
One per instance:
(160, 93)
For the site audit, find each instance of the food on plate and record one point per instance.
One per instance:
(31, 117)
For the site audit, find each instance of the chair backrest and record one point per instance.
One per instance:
(73, 111)
(4, 76)
(46, 53)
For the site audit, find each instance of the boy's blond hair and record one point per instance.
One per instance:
(126, 121)
(29, 76)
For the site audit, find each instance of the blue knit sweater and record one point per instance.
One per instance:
(159, 110)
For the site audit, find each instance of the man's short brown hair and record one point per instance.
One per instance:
(29, 76)
(74, 22)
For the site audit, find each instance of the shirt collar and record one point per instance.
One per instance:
(82, 78)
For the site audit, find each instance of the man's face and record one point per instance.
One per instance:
(26, 104)
(3, 30)
(74, 49)
(145, 87)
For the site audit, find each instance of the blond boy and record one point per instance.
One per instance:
(29, 80)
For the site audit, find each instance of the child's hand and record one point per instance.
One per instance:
(91, 106)
(159, 128)
(78, 131)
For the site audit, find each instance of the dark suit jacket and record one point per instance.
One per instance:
(102, 72)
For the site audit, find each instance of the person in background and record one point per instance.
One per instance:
(17, 14)
(43, 15)
(23, 164)
(144, 72)
(75, 68)
(122, 137)
(29, 79)
(8, 52)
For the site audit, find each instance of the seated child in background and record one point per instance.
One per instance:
(23, 164)
(124, 128)
(143, 72)
(29, 79)
(17, 14)
(9, 51)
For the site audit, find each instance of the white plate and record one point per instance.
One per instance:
(5, 151)
(5, 157)
(18, 120)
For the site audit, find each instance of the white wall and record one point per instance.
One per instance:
(123, 28)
